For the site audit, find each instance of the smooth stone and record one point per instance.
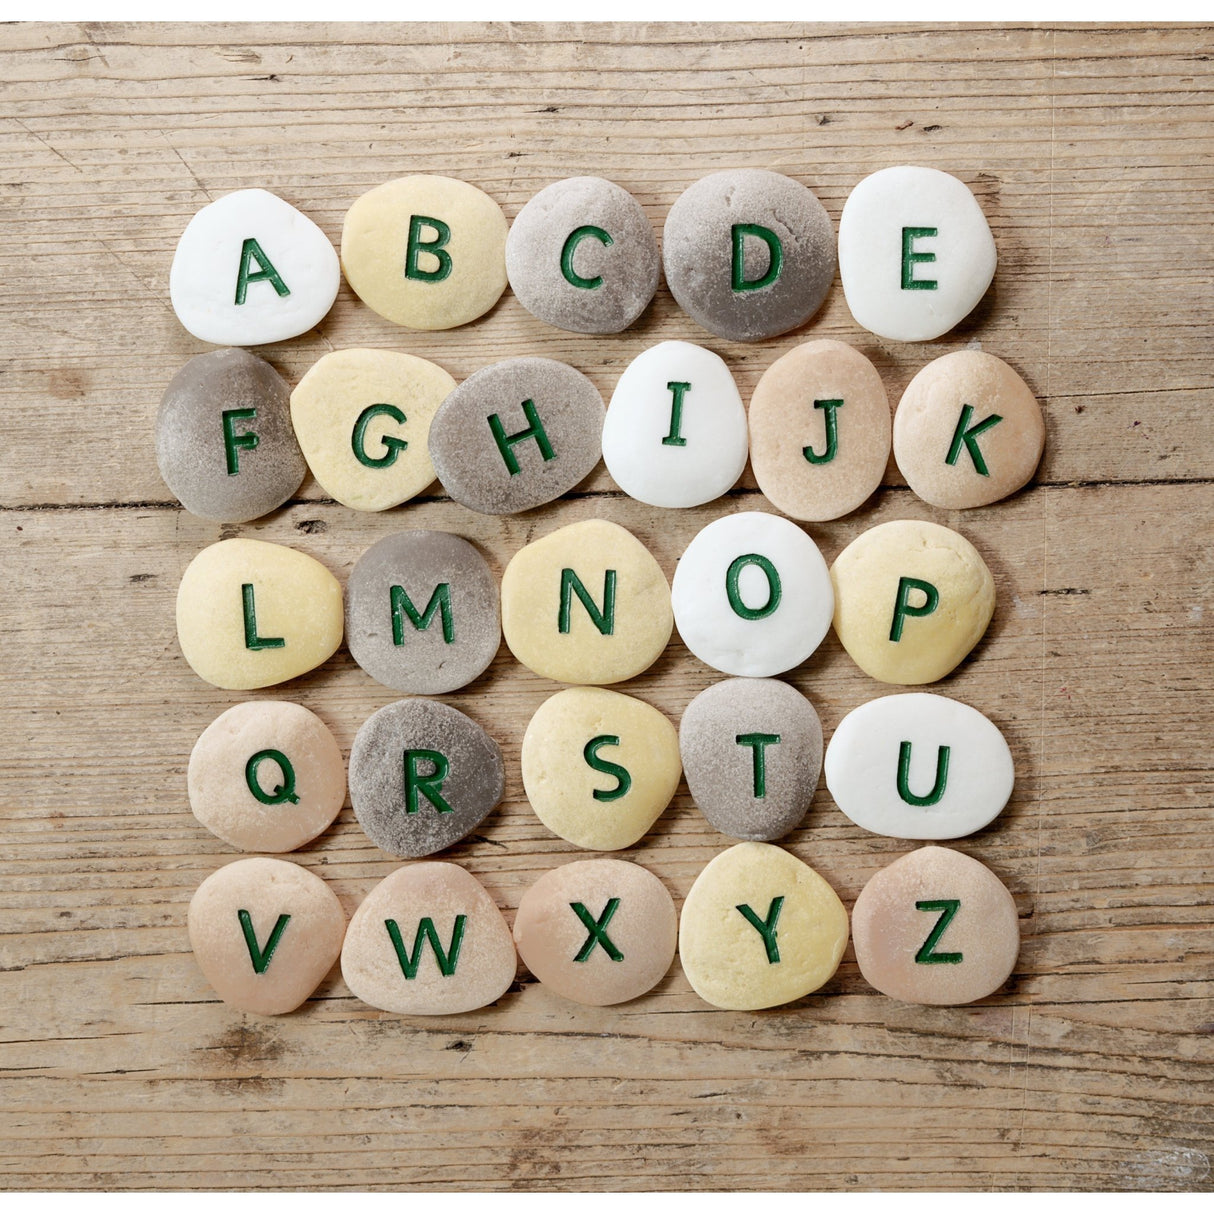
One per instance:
(224, 442)
(516, 435)
(552, 629)
(252, 614)
(752, 595)
(402, 264)
(362, 418)
(919, 766)
(422, 775)
(911, 600)
(675, 433)
(581, 255)
(599, 767)
(909, 225)
(265, 933)
(422, 612)
(968, 431)
(819, 431)
(789, 944)
(703, 229)
(250, 269)
(752, 753)
(428, 940)
(266, 775)
(936, 927)
(597, 931)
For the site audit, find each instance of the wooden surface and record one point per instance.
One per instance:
(1090, 152)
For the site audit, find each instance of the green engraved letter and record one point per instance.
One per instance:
(284, 791)
(535, 429)
(261, 959)
(910, 259)
(392, 446)
(766, 927)
(598, 930)
(832, 433)
(902, 605)
(447, 959)
(970, 438)
(677, 390)
(402, 606)
(603, 620)
(904, 759)
(430, 786)
(250, 251)
(773, 586)
(251, 639)
(575, 238)
(926, 954)
(232, 442)
(775, 252)
(622, 775)
(434, 246)
(758, 743)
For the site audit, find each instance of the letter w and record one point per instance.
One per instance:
(447, 959)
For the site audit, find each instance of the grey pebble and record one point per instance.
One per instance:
(517, 434)
(581, 255)
(698, 253)
(422, 612)
(781, 754)
(224, 442)
(451, 794)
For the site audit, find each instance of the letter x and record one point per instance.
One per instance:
(598, 930)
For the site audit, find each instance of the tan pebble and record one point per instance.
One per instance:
(968, 431)
(936, 927)
(264, 933)
(555, 632)
(599, 766)
(266, 776)
(252, 614)
(428, 940)
(597, 931)
(911, 600)
(426, 251)
(759, 928)
(362, 419)
(819, 431)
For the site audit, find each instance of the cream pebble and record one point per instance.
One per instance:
(760, 928)
(251, 269)
(362, 418)
(266, 775)
(587, 603)
(428, 940)
(597, 931)
(911, 600)
(819, 431)
(752, 595)
(968, 431)
(919, 766)
(936, 927)
(265, 933)
(915, 252)
(252, 614)
(599, 767)
(427, 252)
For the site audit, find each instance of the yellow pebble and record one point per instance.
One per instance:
(599, 766)
(427, 252)
(911, 600)
(362, 419)
(615, 631)
(252, 614)
(759, 928)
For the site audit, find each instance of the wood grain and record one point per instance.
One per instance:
(1090, 150)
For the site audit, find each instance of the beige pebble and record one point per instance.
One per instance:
(252, 614)
(911, 600)
(427, 252)
(265, 933)
(819, 431)
(587, 603)
(760, 928)
(266, 775)
(936, 927)
(597, 931)
(599, 767)
(968, 431)
(428, 940)
(362, 419)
